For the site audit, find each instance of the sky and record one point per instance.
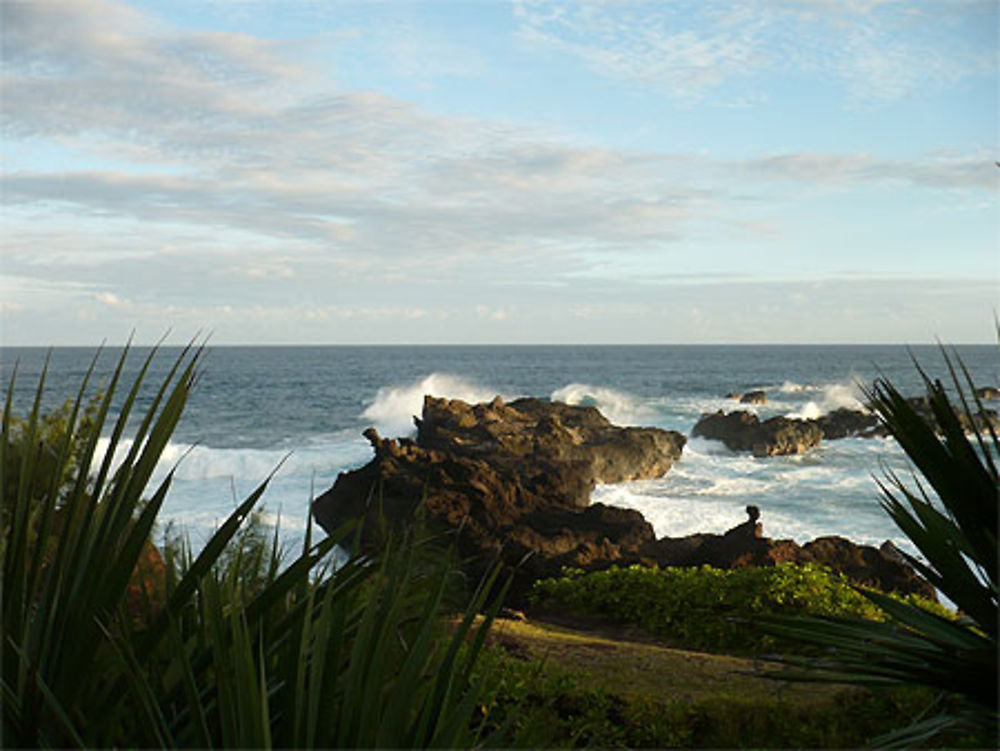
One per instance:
(323, 172)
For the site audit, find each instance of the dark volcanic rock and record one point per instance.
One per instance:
(882, 567)
(754, 397)
(844, 422)
(514, 478)
(743, 431)
(745, 545)
(567, 441)
(512, 482)
(979, 420)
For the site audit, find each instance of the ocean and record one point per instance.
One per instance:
(256, 407)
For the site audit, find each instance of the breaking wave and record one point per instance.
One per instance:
(833, 396)
(394, 407)
(620, 408)
(195, 462)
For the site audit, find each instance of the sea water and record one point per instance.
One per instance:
(304, 408)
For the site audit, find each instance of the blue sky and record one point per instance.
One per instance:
(486, 172)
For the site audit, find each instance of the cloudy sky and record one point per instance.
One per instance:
(306, 171)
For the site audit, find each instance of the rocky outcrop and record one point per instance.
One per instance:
(744, 431)
(745, 545)
(845, 423)
(988, 393)
(515, 479)
(531, 434)
(980, 420)
(512, 482)
(750, 397)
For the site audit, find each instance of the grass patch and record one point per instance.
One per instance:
(572, 688)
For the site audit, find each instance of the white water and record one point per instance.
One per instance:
(828, 491)
(393, 408)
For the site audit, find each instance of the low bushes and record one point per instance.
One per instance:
(708, 608)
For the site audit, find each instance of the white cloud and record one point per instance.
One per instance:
(209, 160)
(227, 141)
(975, 171)
(491, 314)
(111, 300)
(878, 50)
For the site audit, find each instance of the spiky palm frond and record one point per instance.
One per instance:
(954, 528)
(240, 651)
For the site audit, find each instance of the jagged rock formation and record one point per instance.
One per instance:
(745, 545)
(513, 481)
(844, 423)
(744, 431)
(514, 477)
(776, 436)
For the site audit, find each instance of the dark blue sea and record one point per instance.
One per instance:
(254, 406)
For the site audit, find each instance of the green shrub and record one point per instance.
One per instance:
(708, 608)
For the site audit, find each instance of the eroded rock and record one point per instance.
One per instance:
(744, 431)
(512, 480)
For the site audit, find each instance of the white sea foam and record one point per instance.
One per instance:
(834, 396)
(394, 407)
(620, 408)
(195, 462)
(705, 447)
(672, 516)
(790, 387)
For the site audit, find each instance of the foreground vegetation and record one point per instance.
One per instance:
(595, 687)
(953, 522)
(106, 643)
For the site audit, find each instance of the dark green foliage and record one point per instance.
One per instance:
(955, 530)
(236, 648)
(708, 608)
(46, 442)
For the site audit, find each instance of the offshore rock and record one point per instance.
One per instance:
(750, 397)
(744, 431)
(977, 420)
(845, 422)
(510, 480)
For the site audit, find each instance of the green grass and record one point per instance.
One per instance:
(574, 687)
